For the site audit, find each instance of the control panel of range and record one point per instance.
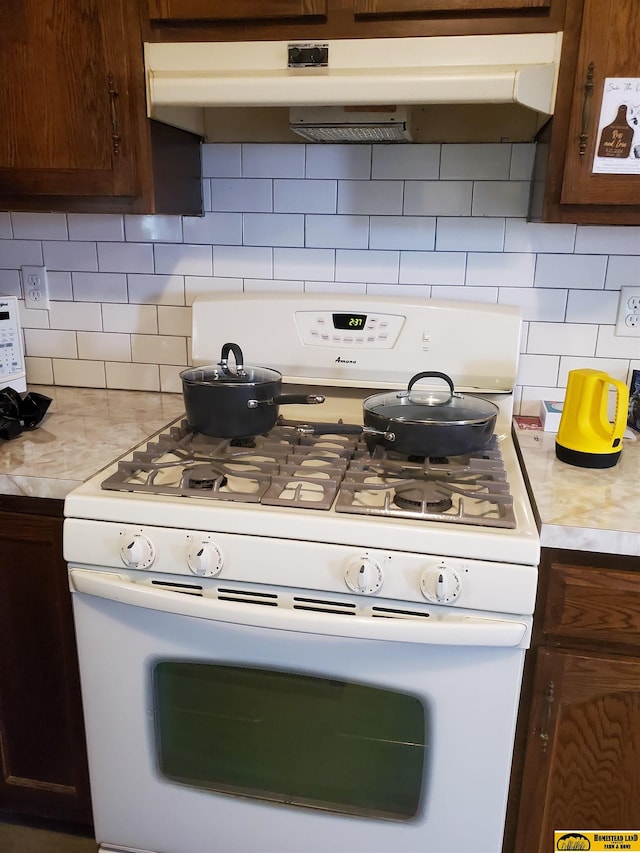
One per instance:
(349, 329)
(12, 369)
(368, 572)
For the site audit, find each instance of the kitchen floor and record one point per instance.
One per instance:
(18, 838)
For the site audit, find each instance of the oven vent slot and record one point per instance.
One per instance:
(183, 588)
(397, 613)
(319, 605)
(248, 596)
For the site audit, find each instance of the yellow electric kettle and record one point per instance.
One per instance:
(586, 437)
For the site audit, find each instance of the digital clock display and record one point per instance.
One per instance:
(349, 322)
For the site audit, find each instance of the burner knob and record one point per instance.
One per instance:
(440, 584)
(137, 551)
(363, 574)
(204, 558)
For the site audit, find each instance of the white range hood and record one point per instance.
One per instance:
(183, 79)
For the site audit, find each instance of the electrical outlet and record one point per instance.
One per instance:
(35, 286)
(628, 320)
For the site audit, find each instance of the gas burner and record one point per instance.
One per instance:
(202, 477)
(422, 493)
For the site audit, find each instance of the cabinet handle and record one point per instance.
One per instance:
(113, 96)
(586, 109)
(549, 695)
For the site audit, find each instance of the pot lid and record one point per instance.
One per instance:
(236, 373)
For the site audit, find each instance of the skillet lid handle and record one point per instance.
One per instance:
(238, 357)
(435, 375)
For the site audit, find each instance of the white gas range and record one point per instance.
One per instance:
(309, 642)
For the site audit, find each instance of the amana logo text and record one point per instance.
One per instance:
(345, 360)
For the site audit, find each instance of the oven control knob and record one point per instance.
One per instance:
(363, 574)
(204, 558)
(440, 584)
(137, 551)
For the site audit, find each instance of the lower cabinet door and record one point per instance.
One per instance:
(583, 751)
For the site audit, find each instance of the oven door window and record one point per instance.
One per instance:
(334, 745)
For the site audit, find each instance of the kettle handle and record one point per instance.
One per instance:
(622, 408)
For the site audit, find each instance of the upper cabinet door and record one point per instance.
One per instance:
(608, 52)
(235, 10)
(419, 7)
(64, 99)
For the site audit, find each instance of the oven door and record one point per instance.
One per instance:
(239, 728)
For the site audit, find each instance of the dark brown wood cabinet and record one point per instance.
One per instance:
(579, 729)
(75, 135)
(601, 42)
(42, 745)
(217, 20)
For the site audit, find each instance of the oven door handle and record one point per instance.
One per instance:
(453, 629)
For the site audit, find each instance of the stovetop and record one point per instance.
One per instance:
(284, 468)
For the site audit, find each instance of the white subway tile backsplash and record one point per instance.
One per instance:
(479, 162)
(302, 264)
(536, 303)
(336, 232)
(538, 369)
(402, 232)
(183, 259)
(570, 271)
(438, 198)
(370, 197)
(354, 265)
(608, 240)
(10, 283)
(339, 161)
(522, 158)
(522, 236)
(273, 161)
(104, 346)
(6, 231)
(125, 257)
(500, 269)
(273, 229)
(75, 315)
(622, 271)
(134, 377)
(39, 370)
(95, 226)
(562, 339)
(411, 162)
(447, 222)
(156, 289)
(436, 268)
(50, 343)
(16, 253)
(592, 306)
(500, 198)
(78, 373)
(99, 286)
(158, 349)
(224, 228)
(196, 286)
(39, 226)
(468, 234)
(142, 319)
(165, 229)
(304, 196)
(222, 160)
(174, 321)
(241, 261)
(242, 195)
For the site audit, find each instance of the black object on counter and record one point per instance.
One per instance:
(18, 413)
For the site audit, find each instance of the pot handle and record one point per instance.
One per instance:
(343, 429)
(435, 375)
(239, 359)
(287, 398)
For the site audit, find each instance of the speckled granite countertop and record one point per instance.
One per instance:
(583, 509)
(83, 430)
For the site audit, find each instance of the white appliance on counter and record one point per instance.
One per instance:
(12, 368)
(302, 644)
